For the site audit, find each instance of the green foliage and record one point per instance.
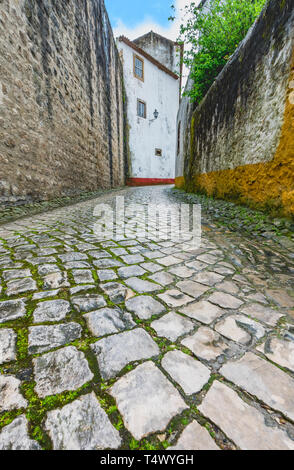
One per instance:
(211, 36)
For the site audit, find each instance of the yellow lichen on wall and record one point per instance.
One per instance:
(263, 185)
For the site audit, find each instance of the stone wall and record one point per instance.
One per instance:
(238, 143)
(61, 100)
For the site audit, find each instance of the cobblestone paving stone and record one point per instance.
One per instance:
(141, 342)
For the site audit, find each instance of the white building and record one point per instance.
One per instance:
(152, 81)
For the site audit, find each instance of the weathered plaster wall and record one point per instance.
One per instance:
(61, 100)
(239, 143)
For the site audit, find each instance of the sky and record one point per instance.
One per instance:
(133, 18)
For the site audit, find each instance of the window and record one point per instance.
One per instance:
(138, 68)
(158, 152)
(141, 109)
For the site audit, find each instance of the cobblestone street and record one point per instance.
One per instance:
(143, 344)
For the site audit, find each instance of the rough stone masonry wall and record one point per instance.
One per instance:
(239, 142)
(61, 100)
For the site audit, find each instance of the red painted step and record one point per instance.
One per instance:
(149, 181)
